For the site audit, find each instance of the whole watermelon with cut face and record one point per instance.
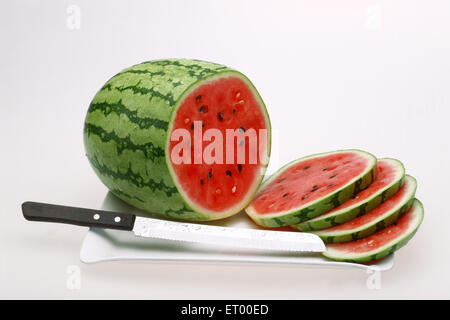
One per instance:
(129, 142)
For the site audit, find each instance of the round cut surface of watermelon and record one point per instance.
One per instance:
(310, 186)
(219, 186)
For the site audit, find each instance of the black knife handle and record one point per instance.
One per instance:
(35, 211)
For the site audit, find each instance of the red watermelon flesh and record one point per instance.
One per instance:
(400, 197)
(224, 103)
(307, 181)
(386, 173)
(394, 235)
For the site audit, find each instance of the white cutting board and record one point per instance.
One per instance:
(111, 245)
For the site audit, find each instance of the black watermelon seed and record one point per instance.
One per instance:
(201, 180)
(220, 116)
(354, 196)
(315, 188)
(192, 126)
(330, 185)
(307, 167)
(304, 197)
(202, 109)
(239, 167)
(234, 111)
(285, 195)
(210, 174)
(198, 98)
(228, 172)
(324, 169)
(333, 176)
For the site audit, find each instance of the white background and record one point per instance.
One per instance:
(373, 75)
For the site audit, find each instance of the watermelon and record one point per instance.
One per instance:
(374, 220)
(310, 186)
(390, 175)
(132, 141)
(381, 243)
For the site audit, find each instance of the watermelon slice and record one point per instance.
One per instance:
(310, 186)
(377, 219)
(381, 243)
(390, 175)
(131, 138)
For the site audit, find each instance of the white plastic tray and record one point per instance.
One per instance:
(111, 245)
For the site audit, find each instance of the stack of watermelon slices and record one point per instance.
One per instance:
(362, 208)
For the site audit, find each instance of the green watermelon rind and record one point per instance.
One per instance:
(254, 188)
(380, 223)
(126, 143)
(385, 250)
(358, 209)
(321, 205)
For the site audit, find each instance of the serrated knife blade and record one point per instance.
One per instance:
(236, 237)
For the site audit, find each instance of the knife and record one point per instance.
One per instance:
(171, 230)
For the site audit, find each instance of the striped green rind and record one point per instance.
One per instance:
(321, 205)
(126, 132)
(381, 222)
(379, 253)
(346, 214)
